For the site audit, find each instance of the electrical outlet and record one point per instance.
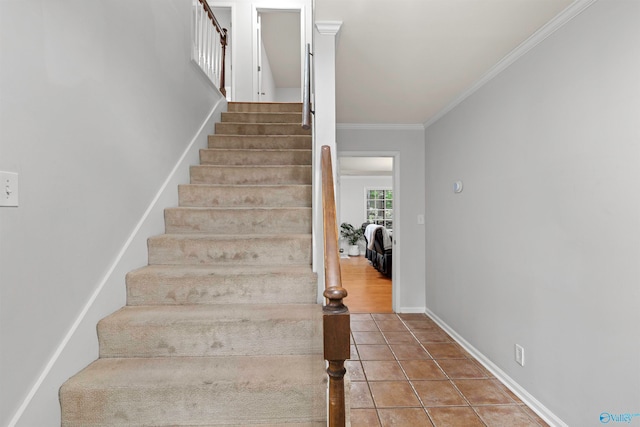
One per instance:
(520, 355)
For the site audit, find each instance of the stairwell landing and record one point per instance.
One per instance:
(222, 326)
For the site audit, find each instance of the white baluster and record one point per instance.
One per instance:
(207, 47)
(217, 59)
(211, 31)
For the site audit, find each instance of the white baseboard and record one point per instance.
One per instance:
(518, 390)
(420, 310)
(136, 238)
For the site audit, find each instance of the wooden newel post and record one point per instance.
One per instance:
(336, 350)
(335, 320)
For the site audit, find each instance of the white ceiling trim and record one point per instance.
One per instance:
(378, 126)
(328, 28)
(577, 7)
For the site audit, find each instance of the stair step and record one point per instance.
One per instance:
(238, 220)
(261, 129)
(244, 195)
(273, 107)
(212, 249)
(222, 327)
(262, 117)
(251, 175)
(211, 330)
(218, 156)
(261, 141)
(267, 390)
(175, 285)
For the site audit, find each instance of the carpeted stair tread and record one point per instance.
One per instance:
(261, 117)
(274, 107)
(261, 129)
(264, 220)
(224, 156)
(251, 175)
(223, 326)
(244, 195)
(260, 141)
(175, 284)
(251, 249)
(211, 330)
(196, 391)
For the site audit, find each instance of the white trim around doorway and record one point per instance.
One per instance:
(305, 33)
(397, 227)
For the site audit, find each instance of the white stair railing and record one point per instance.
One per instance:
(209, 44)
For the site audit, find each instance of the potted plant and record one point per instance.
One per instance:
(353, 236)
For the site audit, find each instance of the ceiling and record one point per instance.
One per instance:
(403, 61)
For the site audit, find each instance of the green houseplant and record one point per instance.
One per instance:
(353, 236)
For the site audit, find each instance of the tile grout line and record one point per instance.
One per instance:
(403, 372)
(485, 375)
(424, 408)
(445, 374)
(451, 381)
(364, 374)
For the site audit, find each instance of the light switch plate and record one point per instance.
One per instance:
(8, 189)
(520, 355)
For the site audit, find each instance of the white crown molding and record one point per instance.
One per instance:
(378, 126)
(573, 10)
(328, 28)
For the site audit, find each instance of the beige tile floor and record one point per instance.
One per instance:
(406, 371)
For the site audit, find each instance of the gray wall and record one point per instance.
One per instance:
(542, 248)
(98, 102)
(409, 251)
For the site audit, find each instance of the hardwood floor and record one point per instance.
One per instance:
(368, 290)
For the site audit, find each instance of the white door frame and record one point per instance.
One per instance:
(305, 33)
(396, 283)
(257, 36)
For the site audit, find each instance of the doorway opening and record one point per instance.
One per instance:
(367, 200)
(278, 44)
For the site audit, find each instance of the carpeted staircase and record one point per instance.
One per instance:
(222, 326)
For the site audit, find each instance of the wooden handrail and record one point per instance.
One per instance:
(306, 95)
(223, 43)
(336, 323)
